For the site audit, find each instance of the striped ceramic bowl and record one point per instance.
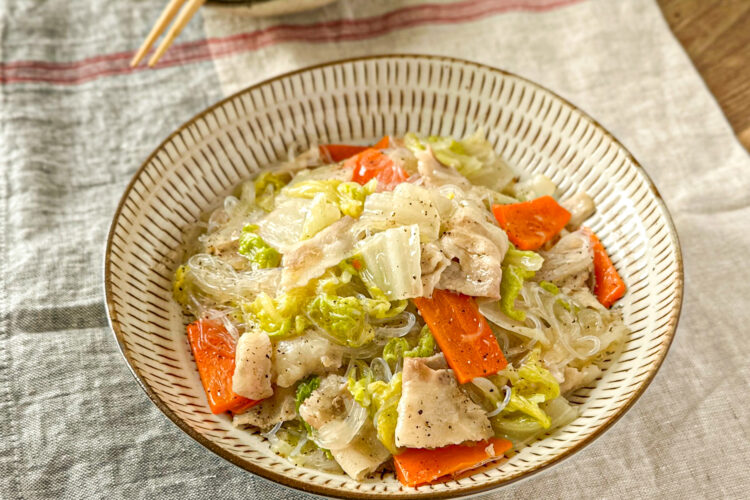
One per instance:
(360, 100)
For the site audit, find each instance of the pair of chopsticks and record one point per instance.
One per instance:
(187, 12)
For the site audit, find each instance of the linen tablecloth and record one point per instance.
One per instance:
(75, 123)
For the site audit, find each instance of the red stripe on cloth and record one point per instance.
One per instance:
(84, 70)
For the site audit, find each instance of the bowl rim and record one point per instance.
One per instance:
(299, 485)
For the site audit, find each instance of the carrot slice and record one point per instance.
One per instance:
(373, 164)
(340, 152)
(532, 223)
(609, 286)
(243, 408)
(463, 334)
(335, 153)
(382, 143)
(213, 349)
(417, 466)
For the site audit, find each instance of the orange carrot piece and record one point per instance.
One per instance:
(213, 349)
(340, 152)
(609, 286)
(417, 466)
(463, 334)
(357, 264)
(242, 409)
(373, 164)
(382, 143)
(532, 223)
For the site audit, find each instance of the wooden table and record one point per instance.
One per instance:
(716, 35)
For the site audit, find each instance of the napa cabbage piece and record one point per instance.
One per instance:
(284, 314)
(334, 303)
(182, 286)
(257, 251)
(309, 259)
(278, 316)
(304, 391)
(349, 197)
(392, 262)
(267, 185)
(322, 173)
(346, 318)
(320, 214)
(473, 157)
(510, 287)
(407, 204)
(534, 187)
(425, 345)
(518, 266)
(282, 227)
(521, 429)
(380, 399)
(550, 287)
(398, 348)
(530, 261)
(531, 385)
(340, 316)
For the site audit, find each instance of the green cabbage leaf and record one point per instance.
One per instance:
(267, 185)
(398, 348)
(380, 399)
(339, 303)
(531, 386)
(349, 197)
(256, 250)
(517, 266)
(473, 157)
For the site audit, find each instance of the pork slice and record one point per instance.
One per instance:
(575, 378)
(298, 357)
(433, 174)
(475, 267)
(363, 455)
(569, 263)
(328, 404)
(252, 369)
(433, 263)
(433, 411)
(310, 258)
(476, 248)
(269, 412)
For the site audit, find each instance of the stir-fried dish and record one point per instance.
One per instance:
(415, 306)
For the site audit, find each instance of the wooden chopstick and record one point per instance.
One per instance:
(166, 16)
(183, 18)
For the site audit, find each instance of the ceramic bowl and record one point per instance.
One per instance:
(360, 100)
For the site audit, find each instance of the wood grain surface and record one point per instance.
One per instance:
(716, 35)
